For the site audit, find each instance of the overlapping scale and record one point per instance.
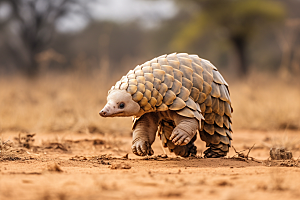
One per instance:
(184, 94)
(118, 84)
(163, 89)
(197, 82)
(167, 69)
(215, 105)
(162, 107)
(149, 77)
(187, 72)
(143, 101)
(176, 86)
(186, 112)
(178, 74)
(141, 79)
(131, 76)
(154, 60)
(154, 93)
(210, 118)
(202, 98)
(141, 87)
(207, 67)
(185, 61)
(132, 82)
(177, 104)
(159, 74)
(187, 83)
(191, 104)
(147, 69)
(169, 97)
(206, 88)
(147, 94)
(196, 59)
(149, 85)
(195, 94)
(208, 101)
(152, 102)
(168, 80)
(137, 68)
(156, 83)
(162, 61)
(155, 66)
(137, 96)
(174, 63)
(217, 77)
(184, 55)
(139, 73)
(215, 92)
(124, 86)
(172, 57)
(219, 120)
(132, 89)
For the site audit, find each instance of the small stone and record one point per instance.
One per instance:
(126, 156)
(164, 156)
(280, 154)
(120, 166)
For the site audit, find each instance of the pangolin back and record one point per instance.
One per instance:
(187, 84)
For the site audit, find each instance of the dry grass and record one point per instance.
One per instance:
(285, 142)
(4, 146)
(70, 102)
(54, 103)
(265, 102)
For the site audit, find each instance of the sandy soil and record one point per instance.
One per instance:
(94, 166)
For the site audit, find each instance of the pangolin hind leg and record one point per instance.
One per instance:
(185, 130)
(216, 151)
(218, 144)
(144, 132)
(165, 131)
(186, 150)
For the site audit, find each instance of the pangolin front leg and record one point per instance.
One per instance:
(144, 134)
(186, 128)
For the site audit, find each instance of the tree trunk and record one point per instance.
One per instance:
(30, 65)
(240, 47)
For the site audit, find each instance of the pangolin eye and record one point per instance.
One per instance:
(121, 105)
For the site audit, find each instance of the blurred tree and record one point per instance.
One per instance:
(238, 20)
(113, 47)
(31, 26)
(287, 40)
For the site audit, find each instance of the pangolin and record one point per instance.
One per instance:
(176, 96)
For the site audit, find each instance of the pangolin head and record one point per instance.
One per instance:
(120, 104)
(131, 96)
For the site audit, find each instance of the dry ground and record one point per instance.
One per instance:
(94, 166)
(75, 154)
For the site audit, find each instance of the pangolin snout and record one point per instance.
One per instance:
(104, 112)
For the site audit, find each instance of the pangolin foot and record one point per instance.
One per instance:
(186, 150)
(142, 148)
(180, 137)
(216, 151)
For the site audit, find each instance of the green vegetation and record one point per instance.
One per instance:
(237, 21)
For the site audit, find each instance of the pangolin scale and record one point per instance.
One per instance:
(190, 86)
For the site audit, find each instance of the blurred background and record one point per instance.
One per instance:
(58, 58)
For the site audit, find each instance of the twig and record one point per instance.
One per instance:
(234, 149)
(3, 145)
(242, 156)
(249, 151)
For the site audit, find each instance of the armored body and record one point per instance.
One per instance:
(176, 96)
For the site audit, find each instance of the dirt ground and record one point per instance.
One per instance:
(95, 166)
